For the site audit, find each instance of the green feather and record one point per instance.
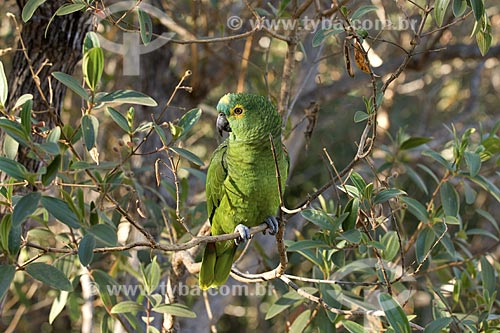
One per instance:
(241, 183)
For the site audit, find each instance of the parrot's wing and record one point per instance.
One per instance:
(216, 175)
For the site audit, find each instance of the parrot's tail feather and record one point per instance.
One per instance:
(215, 268)
(207, 266)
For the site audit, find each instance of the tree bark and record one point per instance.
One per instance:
(59, 49)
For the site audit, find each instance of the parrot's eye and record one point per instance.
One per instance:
(237, 111)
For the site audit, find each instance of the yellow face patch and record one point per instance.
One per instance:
(238, 111)
(224, 99)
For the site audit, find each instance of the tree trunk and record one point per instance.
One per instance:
(58, 50)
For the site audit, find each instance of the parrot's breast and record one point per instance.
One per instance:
(251, 185)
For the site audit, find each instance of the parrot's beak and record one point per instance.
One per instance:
(222, 124)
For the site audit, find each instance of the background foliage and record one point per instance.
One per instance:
(393, 135)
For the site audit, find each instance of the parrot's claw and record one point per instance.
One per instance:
(244, 234)
(272, 224)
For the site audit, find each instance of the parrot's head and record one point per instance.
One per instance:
(248, 117)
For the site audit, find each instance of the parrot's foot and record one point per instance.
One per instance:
(272, 223)
(244, 234)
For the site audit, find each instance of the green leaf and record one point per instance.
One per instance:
(106, 286)
(104, 233)
(452, 220)
(282, 303)
(487, 185)
(305, 244)
(428, 171)
(49, 275)
(5, 227)
(449, 199)
(488, 276)
(391, 245)
(362, 11)
(353, 208)
(282, 7)
(15, 130)
(25, 207)
(175, 130)
(92, 67)
(330, 295)
(312, 257)
(438, 158)
(358, 181)
(178, 310)
(130, 117)
(352, 236)
(440, 7)
(23, 99)
(470, 193)
(13, 168)
(491, 145)
(344, 10)
(70, 8)
(127, 307)
(319, 218)
(415, 177)
(127, 96)
(61, 211)
(483, 39)
(459, 7)
(10, 147)
(360, 116)
(187, 155)
(145, 26)
(72, 84)
(322, 34)
(50, 148)
(425, 241)
(91, 40)
(481, 232)
(52, 170)
(119, 119)
(489, 218)
(416, 208)
(161, 135)
(7, 273)
(414, 142)
(58, 305)
(477, 8)
(86, 249)
(352, 191)
(319, 37)
(152, 274)
(386, 195)
(188, 120)
(394, 313)
(301, 322)
(438, 325)
(14, 241)
(4, 87)
(90, 128)
(54, 135)
(30, 8)
(26, 117)
(353, 327)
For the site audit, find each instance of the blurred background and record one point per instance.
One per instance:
(446, 84)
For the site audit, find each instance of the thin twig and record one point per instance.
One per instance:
(281, 223)
(155, 246)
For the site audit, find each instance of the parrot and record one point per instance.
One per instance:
(242, 185)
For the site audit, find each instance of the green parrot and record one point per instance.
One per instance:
(242, 187)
